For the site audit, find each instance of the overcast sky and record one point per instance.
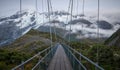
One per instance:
(8, 7)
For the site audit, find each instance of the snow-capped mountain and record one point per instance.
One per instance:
(16, 25)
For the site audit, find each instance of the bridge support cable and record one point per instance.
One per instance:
(67, 14)
(43, 10)
(36, 16)
(48, 4)
(77, 6)
(54, 26)
(68, 10)
(82, 15)
(20, 14)
(55, 32)
(98, 31)
(71, 15)
(83, 8)
(73, 52)
(20, 8)
(36, 6)
(51, 8)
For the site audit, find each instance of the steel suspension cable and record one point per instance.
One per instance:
(71, 19)
(20, 15)
(36, 6)
(48, 4)
(77, 7)
(98, 31)
(21, 12)
(20, 6)
(20, 9)
(36, 11)
(82, 30)
(83, 6)
(54, 27)
(83, 14)
(43, 10)
(51, 9)
(55, 32)
(68, 14)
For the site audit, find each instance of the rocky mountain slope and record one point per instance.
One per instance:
(114, 40)
(17, 25)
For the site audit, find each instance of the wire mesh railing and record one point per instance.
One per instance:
(42, 62)
(78, 62)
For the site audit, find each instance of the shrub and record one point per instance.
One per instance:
(105, 54)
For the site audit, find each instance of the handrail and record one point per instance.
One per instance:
(30, 59)
(78, 60)
(40, 61)
(52, 50)
(96, 65)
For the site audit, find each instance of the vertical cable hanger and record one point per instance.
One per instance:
(48, 4)
(54, 27)
(69, 5)
(77, 7)
(20, 7)
(71, 19)
(36, 10)
(82, 18)
(21, 12)
(51, 9)
(43, 10)
(98, 18)
(98, 31)
(36, 6)
(36, 13)
(83, 13)
(83, 7)
(68, 12)
(20, 15)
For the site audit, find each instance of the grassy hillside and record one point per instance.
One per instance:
(108, 57)
(24, 48)
(35, 41)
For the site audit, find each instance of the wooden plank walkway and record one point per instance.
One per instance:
(60, 60)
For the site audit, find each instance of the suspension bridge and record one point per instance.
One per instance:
(59, 56)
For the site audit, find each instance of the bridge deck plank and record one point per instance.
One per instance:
(60, 60)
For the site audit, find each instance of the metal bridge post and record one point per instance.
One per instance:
(22, 66)
(73, 64)
(39, 64)
(80, 61)
(96, 67)
(73, 61)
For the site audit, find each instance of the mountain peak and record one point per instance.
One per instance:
(14, 26)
